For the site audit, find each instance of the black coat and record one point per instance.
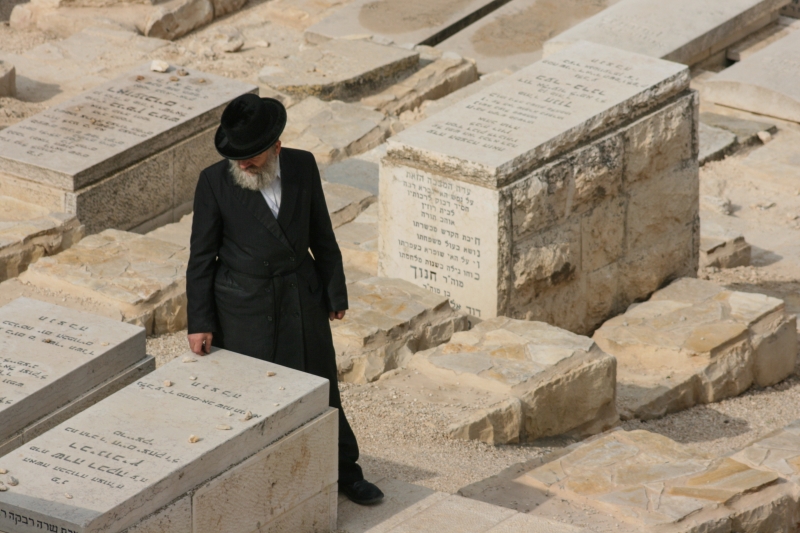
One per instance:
(251, 280)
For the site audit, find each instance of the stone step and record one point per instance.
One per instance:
(634, 481)
(388, 321)
(695, 342)
(412, 508)
(508, 381)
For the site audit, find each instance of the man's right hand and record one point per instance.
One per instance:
(200, 343)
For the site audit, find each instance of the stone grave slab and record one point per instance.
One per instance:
(434, 106)
(120, 275)
(150, 444)
(388, 321)
(344, 202)
(746, 131)
(29, 232)
(695, 342)
(512, 36)
(722, 248)
(52, 356)
(148, 128)
(358, 241)
(685, 31)
(553, 382)
(405, 24)
(763, 38)
(715, 143)
(338, 69)
(360, 171)
(652, 483)
(494, 203)
(762, 83)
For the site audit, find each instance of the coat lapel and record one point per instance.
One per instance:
(290, 188)
(254, 202)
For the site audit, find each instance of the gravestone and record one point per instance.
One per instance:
(763, 83)
(398, 21)
(542, 197)
(180, 429)
(686, 31)
(52, 357)
(123, 154)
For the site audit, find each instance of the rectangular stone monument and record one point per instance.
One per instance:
(764, 83)
(123, 154)
(223, 442)
(56, 361)
(686, 31)
(562, 193)
(399, 22)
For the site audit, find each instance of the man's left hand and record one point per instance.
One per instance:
(336, 315)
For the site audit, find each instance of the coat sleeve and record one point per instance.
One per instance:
(205, 243)
(322, 242)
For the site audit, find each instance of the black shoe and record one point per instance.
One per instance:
(362, 492)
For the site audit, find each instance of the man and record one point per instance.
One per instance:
(252, 285)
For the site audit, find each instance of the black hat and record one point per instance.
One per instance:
(249, 125)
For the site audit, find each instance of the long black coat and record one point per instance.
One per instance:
(251, 280)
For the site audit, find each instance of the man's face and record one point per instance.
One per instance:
(254, 164)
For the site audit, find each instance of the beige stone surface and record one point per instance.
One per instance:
(358, 241)
(434, 106)
(315, 515)
(564, 382)
(338, 69)
(344, 202)
(264, 487)
(8, 79)
(722, 248)
(388, 321)
(178, 233)
(433, 81)
(174, 518)
(694, 342)
(125, 276)
(335, 130)
(763, 38)
(176, 18)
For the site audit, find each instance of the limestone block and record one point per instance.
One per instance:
(722, 248)
(435, 80)
(498, 424)
(345, 203)
(615, 474)
(715, 143)
(358, 241)
(454, 514)
(176, 18)
(335, 130)
(432, 107)
(174, 518)
(338, 69)
(125, 276)
(543, 366)
(763, 38)
(178, 233)
(525, 523)
(746, 131)
(315, 515)
(258, 491)
(189, 158)
(694, 342)
(778, 452)
(8, 79)
(360, 171)
(388, 321)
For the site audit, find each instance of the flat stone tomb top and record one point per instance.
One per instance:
(676, 30)
(129, 455)
(50, 355)
(398, 21)
(765, 82)
(102, 130)
(539, 112)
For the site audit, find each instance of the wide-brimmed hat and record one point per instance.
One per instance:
(249, 125)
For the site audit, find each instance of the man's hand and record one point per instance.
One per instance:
(200, 343)
(336, 315)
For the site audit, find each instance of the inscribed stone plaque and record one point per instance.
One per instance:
(686, 31)
(765, 83)
(113, 125)
(129, 455)
(50, 355)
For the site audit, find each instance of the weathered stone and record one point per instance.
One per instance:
(160, 463)
(512, 36)
(432, 107)
(435, 80)
(762, 83)
(176, 18)
(792, 10)
(649, 482)
(661, 30)
(778, 452)
(746, 131)
(358, 241)
(360, 171)
(722, 248)
(395, 21)
(762, 38)
(335, 130)
(715, 143)
(542, 366)
(345, 203)
(178, 233)
(338, 69)
(388, 321)
(52, 356)
(497, 424)
(694, 342)
(8, 79)
(499, 202)
(124, 276)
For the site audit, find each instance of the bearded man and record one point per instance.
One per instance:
(252, 285)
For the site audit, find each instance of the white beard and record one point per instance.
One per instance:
(257, 180)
